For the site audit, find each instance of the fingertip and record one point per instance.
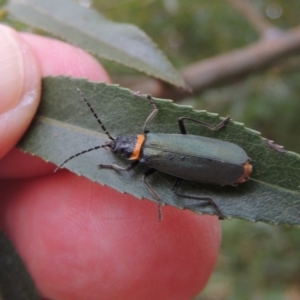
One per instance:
(20, 84)
(17, 164)
(65, 59)
(79, 231)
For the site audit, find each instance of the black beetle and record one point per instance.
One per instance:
(190, 157)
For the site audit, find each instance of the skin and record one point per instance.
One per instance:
(80, 240)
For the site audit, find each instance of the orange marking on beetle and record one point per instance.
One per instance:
(247, 172)
(138, 146)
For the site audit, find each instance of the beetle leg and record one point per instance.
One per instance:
(151, 189)
(211, 127)
(119, 168)
(152, 114)
(204, 198)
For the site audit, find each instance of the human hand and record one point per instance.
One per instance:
(78, 239)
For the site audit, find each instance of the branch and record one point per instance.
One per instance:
(243, 62)
(228, 67)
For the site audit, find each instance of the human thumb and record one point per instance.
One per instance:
(20, 85)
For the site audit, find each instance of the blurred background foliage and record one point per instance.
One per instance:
(257, 261)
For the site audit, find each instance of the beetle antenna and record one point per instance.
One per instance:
(80, 153)
(94, 113)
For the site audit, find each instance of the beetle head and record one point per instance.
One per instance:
(123, 145)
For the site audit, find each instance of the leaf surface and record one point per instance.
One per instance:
(15, 282)
(86, 28)
(64, 126)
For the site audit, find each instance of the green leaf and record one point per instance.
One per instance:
(64, 126)
(15, 282)
(119, 42)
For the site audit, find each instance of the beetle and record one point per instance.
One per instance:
(184, 156)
